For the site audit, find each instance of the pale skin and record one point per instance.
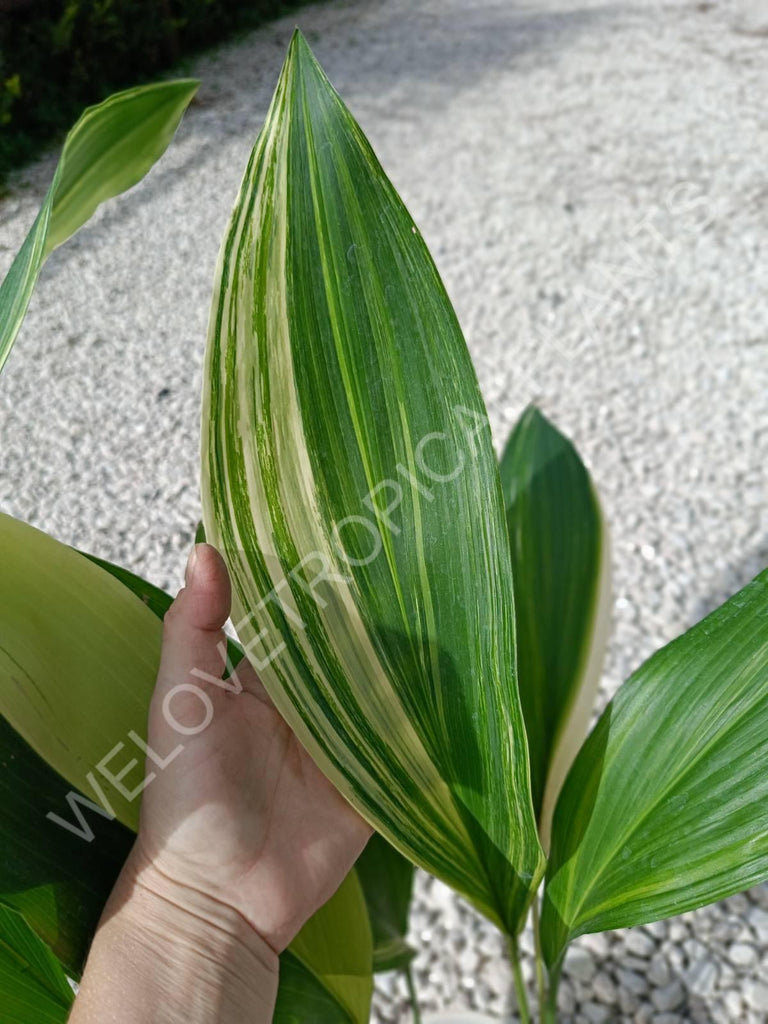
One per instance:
(241, 840)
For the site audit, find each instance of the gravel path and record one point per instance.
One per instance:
(591, 180)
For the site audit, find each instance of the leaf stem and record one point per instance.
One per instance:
(549, 1007)
(541, 985)
(412, 995)
(517, 975)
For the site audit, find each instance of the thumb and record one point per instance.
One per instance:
(194, 645)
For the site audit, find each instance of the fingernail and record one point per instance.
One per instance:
(189, 573)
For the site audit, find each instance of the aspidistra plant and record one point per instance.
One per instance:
(431, 624)
(433, 627)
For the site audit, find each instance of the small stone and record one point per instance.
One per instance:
(694, 949)
(580, 964)
(676, 958)
(701, 977)
(659, 973)
(758, 919)
(566, 999)
(756, 995)
(498, 976)
(604, 989)
(733, 1004)
(666, 1018)
(639, 944)
(741, 954)
(632, 982)
(738, 904)
(669, 997)
(468, 960)
(632, 963)
(596, 943)
(597, 1014)
(644, 1014)
(627, 1002)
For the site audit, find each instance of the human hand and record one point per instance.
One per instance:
(241, 839)
(241, 815)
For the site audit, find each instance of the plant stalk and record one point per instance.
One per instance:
(541, 982)
(549, 1006)
(517, 975)
(412, 995)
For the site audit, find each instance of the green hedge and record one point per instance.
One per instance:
(58, 56)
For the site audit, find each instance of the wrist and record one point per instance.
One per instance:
(183, 957)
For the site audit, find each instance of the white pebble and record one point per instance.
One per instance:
(742, 954)
(579, 964)
(756, 995)
(669, 997)
(758, 919)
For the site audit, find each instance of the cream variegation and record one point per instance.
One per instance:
(349, 480)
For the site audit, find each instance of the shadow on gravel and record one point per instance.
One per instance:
(456, 45)
(388, 61)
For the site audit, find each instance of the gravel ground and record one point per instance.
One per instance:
(591, 180)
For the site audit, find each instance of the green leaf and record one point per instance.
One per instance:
(666, 806)
(350, 482)
(387, 881)
(57, 879)
(562, 573)
(301, 997)
(337, 947)
(79, 652)
(33, 987)
(111, 147)
(157, 600)
(78, 659)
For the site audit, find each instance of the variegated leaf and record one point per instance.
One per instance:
(350, 482)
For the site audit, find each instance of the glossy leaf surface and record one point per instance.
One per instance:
(350, 482)
(666, 806)
(111, 147)
(561, 568)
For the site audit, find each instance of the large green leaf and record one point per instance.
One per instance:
(349, 481)
(111, 147)
(33, 987)
(387, 881)
(79, 651)
(562, 573)
(666, 806)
